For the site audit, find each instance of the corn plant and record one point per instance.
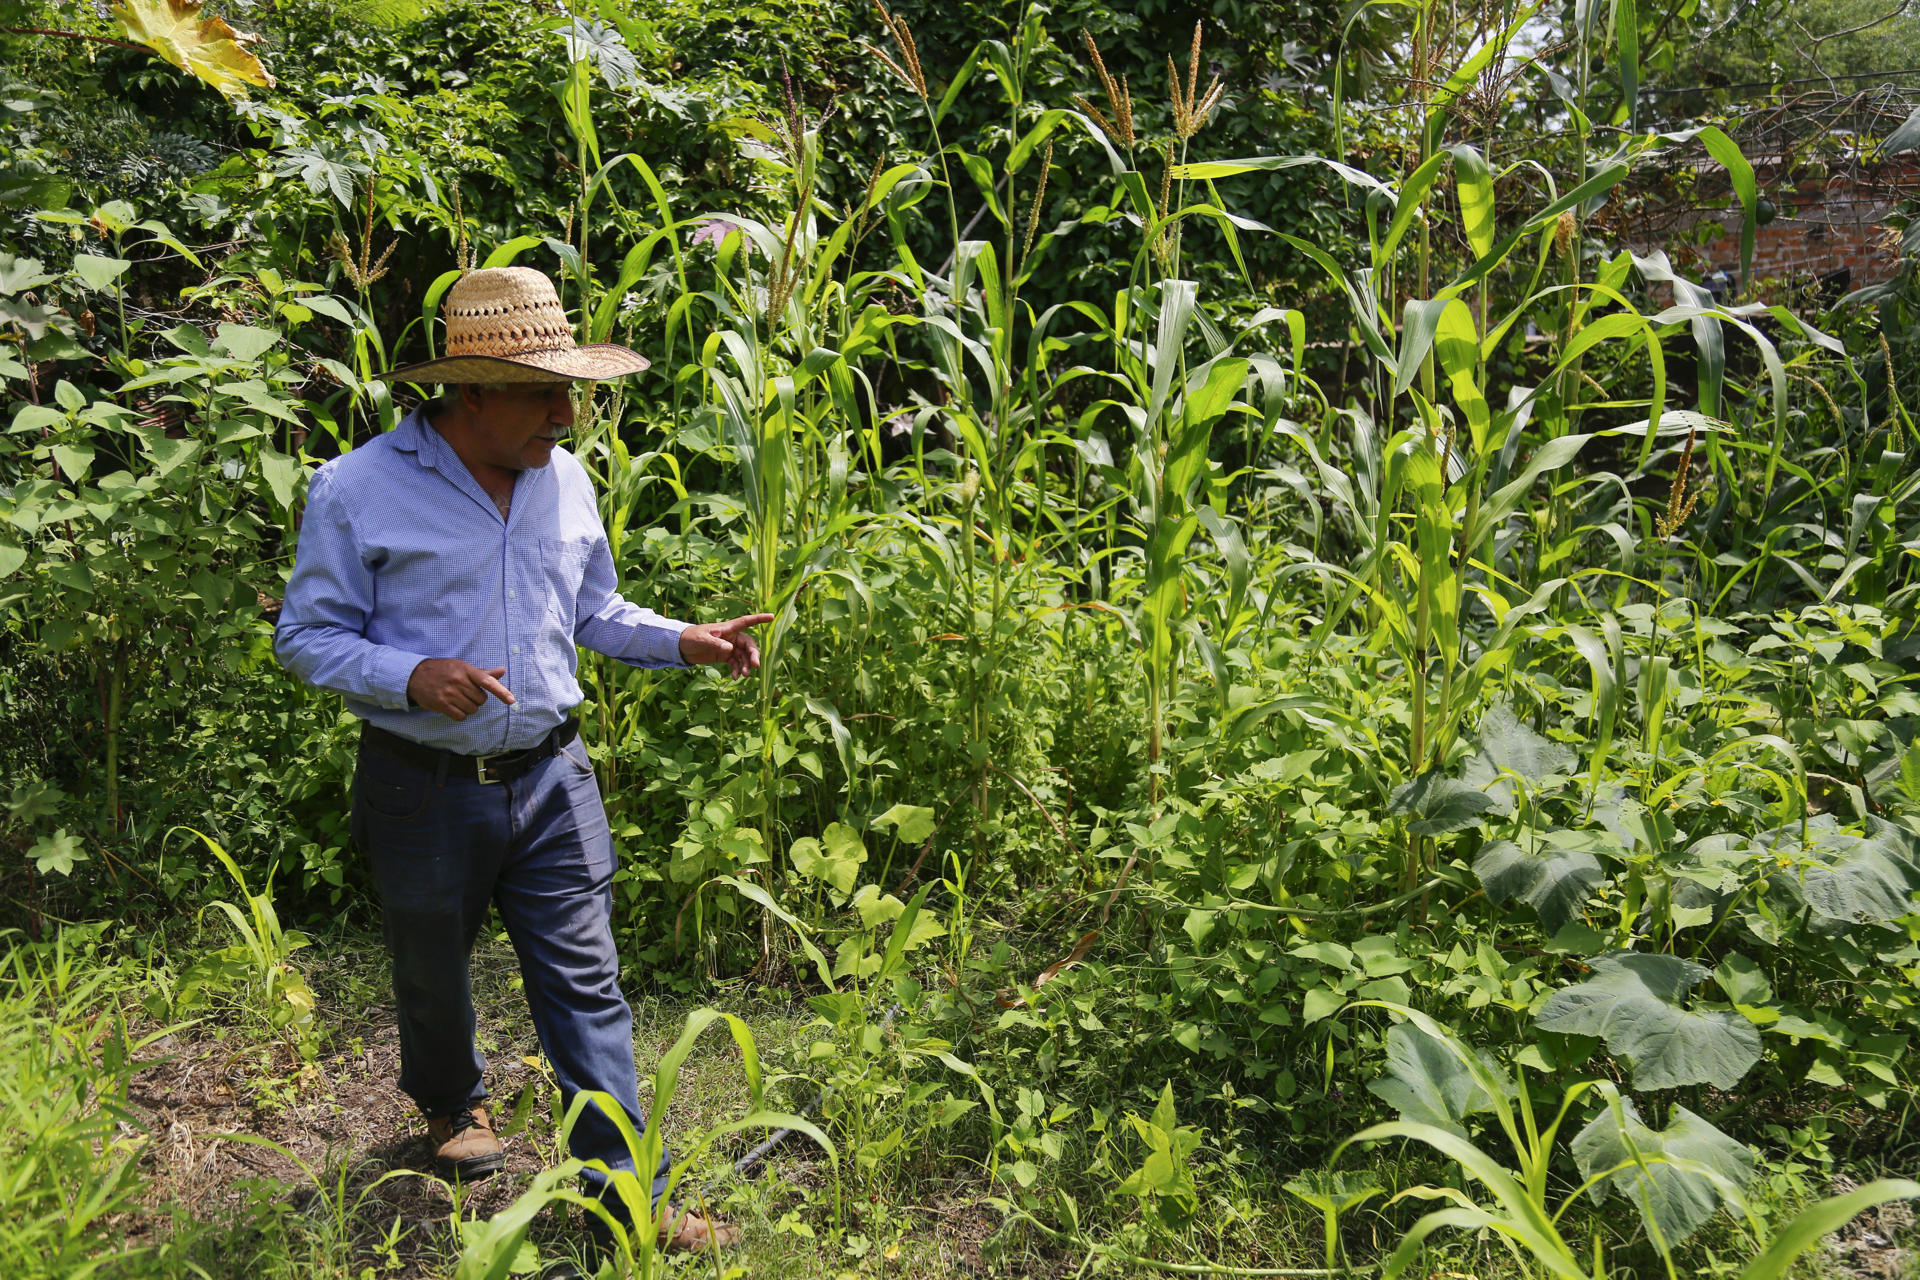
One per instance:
(261, 962)
(493, 1249)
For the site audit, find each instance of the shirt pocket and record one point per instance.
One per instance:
(563, 561)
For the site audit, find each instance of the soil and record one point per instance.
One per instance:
(208, 1108)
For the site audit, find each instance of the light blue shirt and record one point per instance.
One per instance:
(404, 557)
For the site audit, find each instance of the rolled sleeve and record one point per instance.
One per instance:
(610, 624)
(322, 634)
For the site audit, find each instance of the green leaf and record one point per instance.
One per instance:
(1320, 1002)
(56, 854)
(97, 272)
(1829, 1215)
(1332, 1192)
(20, 274)
(1740, 174)
(1743, 982)
(1556, 883)
(282, 474)
(835, 858)
(1435, 804)
(74, 460)
(1510, 747)
(1633, 1003)
(259, 397)
(1198, 924)
(1427, 1083)
(168, 452)
(1910, 771)
(244, 341)
(1846, 879)
(1681, 1175)
(11, 558)
(911, 823)
(1474, 182)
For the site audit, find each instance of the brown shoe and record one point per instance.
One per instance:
(465, 1147)
(687, 1232)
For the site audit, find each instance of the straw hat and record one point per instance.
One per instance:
(505, 324)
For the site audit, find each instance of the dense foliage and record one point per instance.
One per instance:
(1282, 631)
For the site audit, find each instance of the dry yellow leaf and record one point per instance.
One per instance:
(205, 47)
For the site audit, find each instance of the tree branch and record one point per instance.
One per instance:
(74, 35)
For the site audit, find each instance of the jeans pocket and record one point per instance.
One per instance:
(576, 752)
(392, 801)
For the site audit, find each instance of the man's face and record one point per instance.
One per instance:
(517, 427)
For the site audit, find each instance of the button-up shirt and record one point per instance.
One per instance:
(403, 557)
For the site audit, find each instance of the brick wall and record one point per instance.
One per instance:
(1830, 230)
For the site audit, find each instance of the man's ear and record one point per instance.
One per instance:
(471, 394)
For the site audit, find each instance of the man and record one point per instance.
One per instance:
(446, 572)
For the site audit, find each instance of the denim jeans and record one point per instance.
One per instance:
(442, 847)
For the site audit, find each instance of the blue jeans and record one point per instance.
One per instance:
(442, 847)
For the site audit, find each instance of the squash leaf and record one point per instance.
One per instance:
(1435, 804)
(1556, 883)
(1842, 878)
(1508, 747)
(1426, 1082)
(1633, 1002)
(1683, 1172)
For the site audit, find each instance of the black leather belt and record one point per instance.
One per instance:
(504, 767)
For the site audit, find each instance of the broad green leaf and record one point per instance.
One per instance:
(1846, 879)
(206, 47)
(56, 854)
(168, 452)
(875, 908)
(1427, 1083)
(1743, 981)
(260, 397)
(1556, 883)
(1681, 1174)
(19, 274)
(99, 273)
(1633, 1002)
(74, 460)
(282, 474)
(835, 858)
(1435, 804)
(1508, 746)
(1198, 924)
(1332, 1192)
(1320, 1002)
(912, 823)
(244, 341)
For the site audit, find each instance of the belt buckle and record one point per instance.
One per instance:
(480, 767)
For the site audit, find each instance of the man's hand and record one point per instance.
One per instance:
(454, 688)
(726, 642)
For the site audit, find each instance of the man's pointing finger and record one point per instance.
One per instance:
(489, 681)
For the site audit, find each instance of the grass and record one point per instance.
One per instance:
(213, 1150)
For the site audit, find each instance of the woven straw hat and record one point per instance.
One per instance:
(505, 324)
